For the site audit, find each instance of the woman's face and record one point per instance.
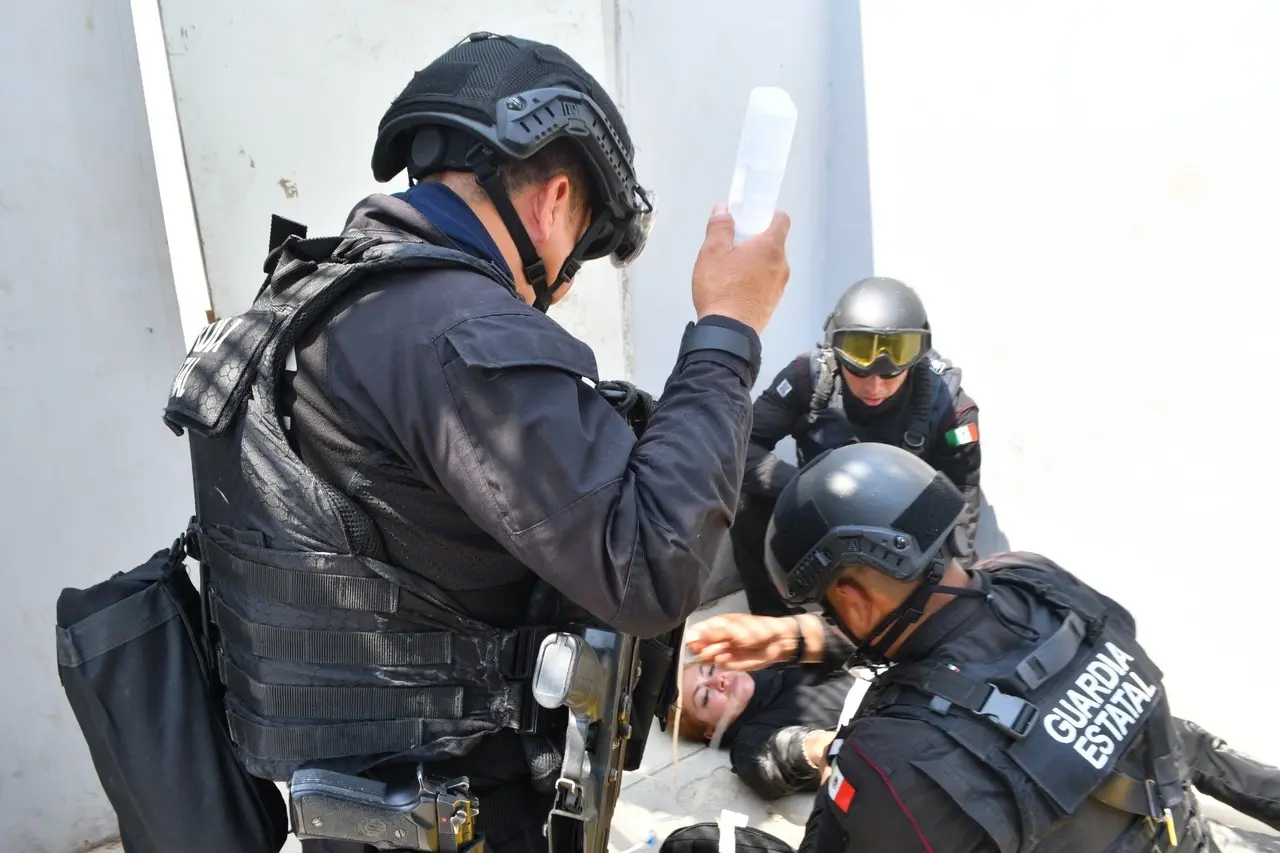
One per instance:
(712, 694)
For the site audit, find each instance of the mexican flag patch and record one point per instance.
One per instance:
(959, 436)
(839, 789)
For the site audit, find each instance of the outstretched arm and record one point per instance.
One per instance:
(744, 641)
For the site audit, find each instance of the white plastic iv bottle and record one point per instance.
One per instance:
(763, 149)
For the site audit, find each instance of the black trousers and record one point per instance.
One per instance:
(750, 524)
(1227, 839)
(1233, 778)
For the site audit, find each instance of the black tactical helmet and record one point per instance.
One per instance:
(865, 503)
(494, 99)
(878, 326)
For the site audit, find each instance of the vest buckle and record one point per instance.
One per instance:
(1010, 714)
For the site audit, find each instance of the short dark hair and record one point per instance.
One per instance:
(558, 157)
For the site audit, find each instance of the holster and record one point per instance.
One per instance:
(655, 692)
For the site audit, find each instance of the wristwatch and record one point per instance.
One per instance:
(797, 655)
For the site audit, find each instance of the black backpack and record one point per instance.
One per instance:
(132, 660)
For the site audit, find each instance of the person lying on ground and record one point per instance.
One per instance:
(778, 722)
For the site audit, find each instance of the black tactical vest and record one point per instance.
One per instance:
(326, 650)
(1072, 716)
(935, 385)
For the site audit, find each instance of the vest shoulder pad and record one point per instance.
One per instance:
(946, 387)
(946, 369)
(217, 373)
(823, 375)
(233, 353)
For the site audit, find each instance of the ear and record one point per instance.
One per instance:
(549, 203)
(855, 607)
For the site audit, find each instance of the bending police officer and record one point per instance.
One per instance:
(1020, 712)
(404, 477)
(876, 378)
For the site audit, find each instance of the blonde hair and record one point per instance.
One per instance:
(688, 726)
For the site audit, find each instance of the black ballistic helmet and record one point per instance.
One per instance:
(493, 99)
(865, 503)
(885, 315)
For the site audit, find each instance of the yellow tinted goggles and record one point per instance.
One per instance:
(863, 348)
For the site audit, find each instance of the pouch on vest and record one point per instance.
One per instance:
(130, 661)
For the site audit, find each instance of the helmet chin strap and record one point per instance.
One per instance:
(573, 263)
(893, 625)
(535, 270)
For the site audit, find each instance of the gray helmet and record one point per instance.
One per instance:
(865, 503)
(878, 325)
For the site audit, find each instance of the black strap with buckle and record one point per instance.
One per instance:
(1054, 654)
(945, 689)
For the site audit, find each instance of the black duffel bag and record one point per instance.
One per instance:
(705, 838)
(132, 662)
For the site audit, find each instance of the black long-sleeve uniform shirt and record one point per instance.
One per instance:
(462, 421)
(766, 743)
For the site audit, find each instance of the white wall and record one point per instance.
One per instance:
(1085, 193)
(89, 340)
(688, 69)
(276, 123)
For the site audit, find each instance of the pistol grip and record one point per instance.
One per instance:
(332, 805)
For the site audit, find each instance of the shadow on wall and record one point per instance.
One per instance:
(724, 578)
(990, 538)
(847, 238)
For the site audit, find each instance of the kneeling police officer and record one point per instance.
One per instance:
(405, 478)
(1020, 712)
(876, 378)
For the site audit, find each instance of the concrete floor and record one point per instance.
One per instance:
(664, 795)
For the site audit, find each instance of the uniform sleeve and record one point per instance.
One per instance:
(881, 797)
(496, 411)
(771, 760)
(773, 416)
(958, 455)
(837, 648)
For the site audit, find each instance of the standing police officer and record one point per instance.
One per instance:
(1019, 713)
(404, 476)
(875, 378)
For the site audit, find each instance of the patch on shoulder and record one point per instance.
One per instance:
(839, 790)
(784, 388)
